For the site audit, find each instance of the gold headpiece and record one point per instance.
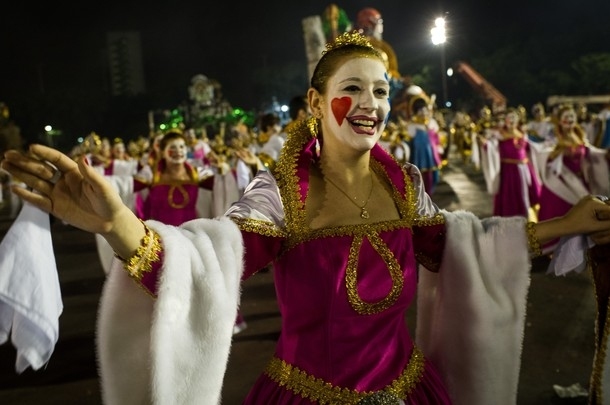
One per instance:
(348, 38)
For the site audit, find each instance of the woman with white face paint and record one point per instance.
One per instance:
(570, 169)
(172, 184)
(170, 190)
(509, 172)
(353, 238)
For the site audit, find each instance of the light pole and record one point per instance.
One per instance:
(439, 37)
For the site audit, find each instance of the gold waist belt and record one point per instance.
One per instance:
(514, 161)
(316, 389)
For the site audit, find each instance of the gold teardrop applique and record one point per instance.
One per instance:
(351, 276)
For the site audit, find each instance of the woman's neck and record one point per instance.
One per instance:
(174, 169)
(346, 169)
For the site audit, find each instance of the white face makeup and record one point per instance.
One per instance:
(358, 103)
(423, 112)
(118, 149)
(511, 120)
(567, 120)
(175, 152)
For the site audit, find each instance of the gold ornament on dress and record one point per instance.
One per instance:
(170, 197)
(351, 276)
(316, 389)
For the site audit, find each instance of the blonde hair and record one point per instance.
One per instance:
(346, 46)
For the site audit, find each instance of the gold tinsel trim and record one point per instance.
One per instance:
(348, 38)
(146, 254)
(533, 243)
(318, 390)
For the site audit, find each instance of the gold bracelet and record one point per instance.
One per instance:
(533, 243)
(146, 254)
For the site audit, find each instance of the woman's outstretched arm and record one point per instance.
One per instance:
(75, 193)
(590, 216)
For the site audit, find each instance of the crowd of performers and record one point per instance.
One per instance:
(537, 165)
(178, 175)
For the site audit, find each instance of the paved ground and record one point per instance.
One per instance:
(557, 348)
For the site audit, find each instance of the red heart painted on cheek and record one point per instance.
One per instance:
(340, 107)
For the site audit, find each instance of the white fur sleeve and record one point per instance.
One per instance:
(470, 319)
(173, 349)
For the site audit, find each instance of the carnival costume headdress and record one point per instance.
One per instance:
(347, 38)
(352, 44)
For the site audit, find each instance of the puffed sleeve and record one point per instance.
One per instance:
(259, 214)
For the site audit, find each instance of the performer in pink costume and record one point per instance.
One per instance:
(346, 228)
(174, 185)
(570, 169)
(509, 171)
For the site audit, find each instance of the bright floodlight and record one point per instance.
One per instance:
(438, 31)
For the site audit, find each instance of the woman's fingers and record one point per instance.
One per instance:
(600, 238)
(53, 156)
(34, 198)
(602, 215)
(33, 173)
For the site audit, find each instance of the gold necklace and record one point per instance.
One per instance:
(364, 214)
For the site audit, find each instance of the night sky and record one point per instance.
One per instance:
(54, 46)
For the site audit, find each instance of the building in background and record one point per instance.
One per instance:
(125, 63)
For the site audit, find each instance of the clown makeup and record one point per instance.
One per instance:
(175, 152)
(358, 107)
(511, 120)
(567, 120)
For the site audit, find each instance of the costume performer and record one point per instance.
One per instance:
(510, 175)
(345, 271)
(569, 169)
(424, 143)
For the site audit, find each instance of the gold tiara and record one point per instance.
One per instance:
(348, 38)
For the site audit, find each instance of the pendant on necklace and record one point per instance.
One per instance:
(364, 214)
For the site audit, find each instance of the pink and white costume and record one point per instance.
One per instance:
(574, 173)
(343, 293)
(510, 175)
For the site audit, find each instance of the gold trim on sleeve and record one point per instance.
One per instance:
(146, 254)
(258, 226)
(533, 243)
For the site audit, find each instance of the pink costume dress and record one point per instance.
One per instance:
(519, 186)
(343, 292)
(344, 337)
(172, 203)
(551, 205)
(579, 170)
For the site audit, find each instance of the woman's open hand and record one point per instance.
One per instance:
(71, 191)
